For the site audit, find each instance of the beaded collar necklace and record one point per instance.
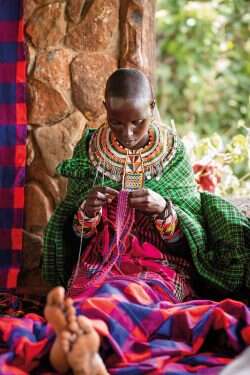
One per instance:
(109, 157)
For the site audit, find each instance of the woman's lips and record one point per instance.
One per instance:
(128, 141)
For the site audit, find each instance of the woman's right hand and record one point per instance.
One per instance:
(97, 198)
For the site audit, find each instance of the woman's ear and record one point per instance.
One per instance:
(152, 104)
(152, 107)
(104, 103)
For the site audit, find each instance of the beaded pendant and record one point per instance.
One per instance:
(133, 173)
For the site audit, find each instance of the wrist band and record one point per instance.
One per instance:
(87, 218)
(165, 213)
(166, 223)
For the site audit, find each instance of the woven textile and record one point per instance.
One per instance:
(129, 244)
(110, 250)
(217, 233)
(12, 140)
(149, 332)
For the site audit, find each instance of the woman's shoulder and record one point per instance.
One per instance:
(169, 139)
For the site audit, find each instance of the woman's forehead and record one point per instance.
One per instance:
(137, 104)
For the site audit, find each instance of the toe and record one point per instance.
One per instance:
(67, 338)
(66, 335)
(70, 313)
(56, 296)
(74, 327)
(65, 345)
(84, 324)
(69, 302)
(53, 310)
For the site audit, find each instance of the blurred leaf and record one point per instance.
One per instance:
(203, 76)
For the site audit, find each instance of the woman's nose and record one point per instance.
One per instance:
(128, 131)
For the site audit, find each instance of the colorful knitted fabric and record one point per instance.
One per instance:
(12, 140)
(217, 233)
(147, 332)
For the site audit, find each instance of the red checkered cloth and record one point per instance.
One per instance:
(13, 122)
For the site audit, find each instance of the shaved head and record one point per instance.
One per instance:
(129, 103)
(128, 84)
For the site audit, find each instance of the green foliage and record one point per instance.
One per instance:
(203, 74)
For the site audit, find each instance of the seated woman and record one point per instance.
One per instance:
(147, 240)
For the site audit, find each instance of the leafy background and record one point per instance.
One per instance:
(203, 83)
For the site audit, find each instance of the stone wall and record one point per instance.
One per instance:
(72, 47)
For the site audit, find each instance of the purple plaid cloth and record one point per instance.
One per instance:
(13, 121)
(143, 332)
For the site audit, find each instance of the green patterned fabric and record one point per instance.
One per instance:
(217, 233)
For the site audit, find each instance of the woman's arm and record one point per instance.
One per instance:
(89, 214)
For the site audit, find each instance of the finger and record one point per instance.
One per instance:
(139, 193)
(96, 195)
(111, 197)
(93, 210)
(144, 207)
(139, 200)
(110, 191)
(94, 205)
(146, 210)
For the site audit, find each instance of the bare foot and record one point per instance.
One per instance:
(81, 344)
(59, 313)
(54, 309)
(77, 342)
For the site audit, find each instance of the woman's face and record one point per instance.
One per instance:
(129, 120)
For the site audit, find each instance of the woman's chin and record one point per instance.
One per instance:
(129, 144)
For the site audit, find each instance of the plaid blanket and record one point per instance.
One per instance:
(217, 233)
(12, 140)
(144, 332)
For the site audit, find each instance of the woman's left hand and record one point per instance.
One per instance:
(147, 201)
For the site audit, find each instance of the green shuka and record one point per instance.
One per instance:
(217, 233)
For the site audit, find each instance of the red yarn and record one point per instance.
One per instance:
(109, 249)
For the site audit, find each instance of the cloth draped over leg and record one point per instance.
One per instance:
(147, 332)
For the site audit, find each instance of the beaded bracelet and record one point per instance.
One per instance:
(166, 223)
(84, 224)
(86, 218)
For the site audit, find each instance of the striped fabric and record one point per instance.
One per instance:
(12, 140)
(135, 249)
(148, 332)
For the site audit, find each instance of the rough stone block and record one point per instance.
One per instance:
(99, 29)
(46, 105)
(47, 26)
(89, 73)
(57, 142)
